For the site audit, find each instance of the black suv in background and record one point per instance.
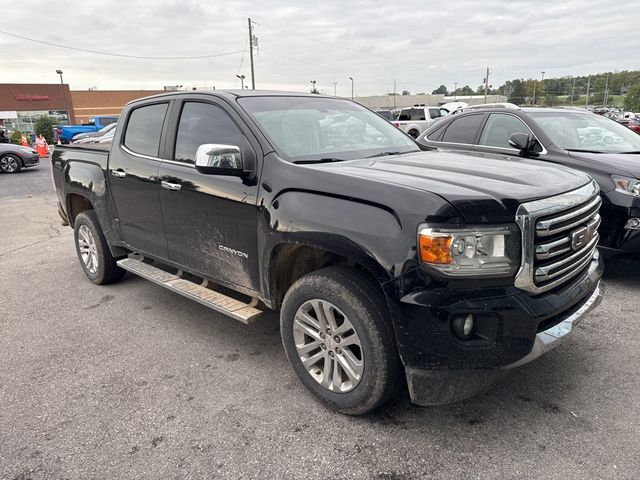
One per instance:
(604, 149)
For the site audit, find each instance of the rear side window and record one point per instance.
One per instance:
(144, 128)
(417, 114)
(463, 129)
(202, 123)
(108, 121)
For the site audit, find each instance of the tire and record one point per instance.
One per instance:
(413, 134)
(93, 252)
(10, 163)
(361, 316)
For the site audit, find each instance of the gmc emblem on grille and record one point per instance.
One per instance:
(581, 237)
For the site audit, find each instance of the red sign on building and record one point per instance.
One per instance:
(31, 98)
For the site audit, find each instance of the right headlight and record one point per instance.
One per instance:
(476, 251)
(629, 186)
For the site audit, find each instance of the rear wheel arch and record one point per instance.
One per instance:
(77, 204)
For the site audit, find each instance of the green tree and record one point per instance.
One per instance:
(406, 92)
(466, 90)
(516, 91)
(44, 126)
(15, 137)
(442, 89)
(632, 100)
(552, 100)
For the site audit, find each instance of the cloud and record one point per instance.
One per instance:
(419, 44)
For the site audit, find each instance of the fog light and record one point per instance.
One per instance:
(633, 224)
(463, 326)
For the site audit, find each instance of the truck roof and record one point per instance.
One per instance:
(232, 94)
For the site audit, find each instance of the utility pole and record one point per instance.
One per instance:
(542, 85)
(351, 78)
(455, 91)
(334, 88)
(573, 90)
(486, 85)
(605, 98)
(394, 93)
(253, 77)
(586, 102)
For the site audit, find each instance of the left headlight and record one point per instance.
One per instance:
(474, 251)
(630, 186)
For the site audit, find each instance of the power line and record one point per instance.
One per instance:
(122, 55)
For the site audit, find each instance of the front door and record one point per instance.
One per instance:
(133, 179)
(210, 221)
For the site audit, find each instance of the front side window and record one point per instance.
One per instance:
(435, 113)
(499, 128)
(417, 114)
(200, 124)
(463, 129)
(315, 128)
(144, 128)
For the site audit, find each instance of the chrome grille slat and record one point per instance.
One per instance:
(559, 238)
(546, 250)
(544, 228)
(543, 273)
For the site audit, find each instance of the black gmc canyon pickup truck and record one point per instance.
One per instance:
(387, 263)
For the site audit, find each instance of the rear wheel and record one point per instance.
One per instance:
(10, 164)
(337, 336)
(93, 251)
(413, 133)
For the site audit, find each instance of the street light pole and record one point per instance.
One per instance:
(313, 90)
(241, 77)
(351, 78)
(334, 88)
(64, 95)
(542, 86)
(455, 91)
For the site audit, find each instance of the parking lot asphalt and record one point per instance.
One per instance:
(130, 381)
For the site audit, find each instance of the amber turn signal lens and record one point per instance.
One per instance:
(436, 249)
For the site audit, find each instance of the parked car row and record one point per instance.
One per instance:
(65, 133)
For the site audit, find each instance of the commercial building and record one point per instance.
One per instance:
(22, 104)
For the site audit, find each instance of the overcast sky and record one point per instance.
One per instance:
(420, 44)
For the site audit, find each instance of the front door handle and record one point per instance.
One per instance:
(119, 173)
(170, 186)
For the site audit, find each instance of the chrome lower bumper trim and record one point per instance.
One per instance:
(556, 335)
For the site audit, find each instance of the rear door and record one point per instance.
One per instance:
(210, 220)
(133, 178)
(461, 133)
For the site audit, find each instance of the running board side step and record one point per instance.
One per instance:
(236, 309)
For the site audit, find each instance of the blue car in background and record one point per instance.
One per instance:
(65, 133)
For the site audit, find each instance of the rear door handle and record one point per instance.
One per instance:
(170, 186)
(119, 173)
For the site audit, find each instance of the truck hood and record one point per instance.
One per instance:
(483, 190)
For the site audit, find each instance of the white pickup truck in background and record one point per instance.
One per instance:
(415, 120)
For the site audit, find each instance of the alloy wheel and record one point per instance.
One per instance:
(328, 346)
(88, 250)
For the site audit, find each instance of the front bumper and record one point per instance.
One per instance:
(31, 160)
(513, 328)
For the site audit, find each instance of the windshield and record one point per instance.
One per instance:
(310, 128)
(580, 131)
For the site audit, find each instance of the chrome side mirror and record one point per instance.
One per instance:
(216, 159)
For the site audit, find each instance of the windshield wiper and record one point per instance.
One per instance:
(582, 151)
(383, 154)
(321, 160)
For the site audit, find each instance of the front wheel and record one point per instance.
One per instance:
(10, 164)
(337, 335)
(93, 251)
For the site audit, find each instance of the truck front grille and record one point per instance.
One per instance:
(559, 238)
